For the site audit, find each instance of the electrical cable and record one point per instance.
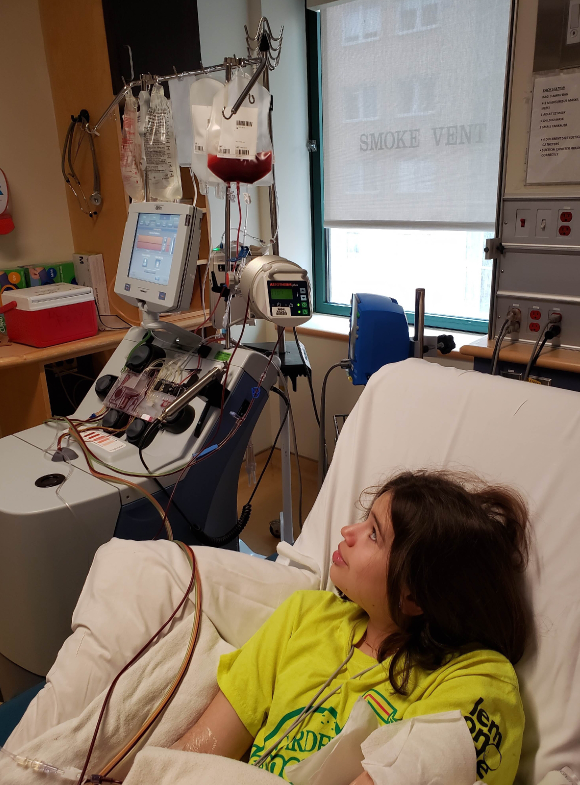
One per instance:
(194, 582)
(204, 538)
(296, 455)
(113, 316)
(550, 331)
(322, 452)
(308, 375)
(496, 349)
(273, 447)
(293, 428)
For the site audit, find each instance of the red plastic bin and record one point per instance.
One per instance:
(50, 326)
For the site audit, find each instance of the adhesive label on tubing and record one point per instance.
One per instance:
(108, 443)
(222, 356)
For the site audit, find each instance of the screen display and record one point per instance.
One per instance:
(153, 247)
(288, 298)
(281, 294)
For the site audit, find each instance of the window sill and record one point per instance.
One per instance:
(336, 328)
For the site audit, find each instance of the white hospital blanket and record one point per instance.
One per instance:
(131, 589)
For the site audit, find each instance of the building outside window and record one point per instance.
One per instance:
(411, 165)
(417, 15)
(361, 22)
(361, 102)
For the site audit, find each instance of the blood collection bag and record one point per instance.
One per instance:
(163, 175)
(239, 147)
(201, 95)
(131, 153)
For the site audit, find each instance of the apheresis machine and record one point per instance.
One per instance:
(155, 448)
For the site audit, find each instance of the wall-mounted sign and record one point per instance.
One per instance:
(554, 147)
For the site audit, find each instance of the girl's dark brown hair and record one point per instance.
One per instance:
(460, 550)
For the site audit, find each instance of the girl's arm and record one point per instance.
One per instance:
(219, 731)
(363, 779)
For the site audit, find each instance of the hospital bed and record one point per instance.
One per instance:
(411, 415)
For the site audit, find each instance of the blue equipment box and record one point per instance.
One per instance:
(379, 334)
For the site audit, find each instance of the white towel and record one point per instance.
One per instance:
(436, 749)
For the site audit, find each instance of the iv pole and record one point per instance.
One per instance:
(269, 48)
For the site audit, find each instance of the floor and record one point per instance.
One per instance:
(267, 502)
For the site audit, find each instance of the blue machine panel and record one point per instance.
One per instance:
(379, 334)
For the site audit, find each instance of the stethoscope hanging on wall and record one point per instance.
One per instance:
(69, 154)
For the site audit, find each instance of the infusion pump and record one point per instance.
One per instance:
(277, 290)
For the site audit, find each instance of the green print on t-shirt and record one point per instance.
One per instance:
(301, 742)
(306, 741)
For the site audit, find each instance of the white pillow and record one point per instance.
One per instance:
(131, 589)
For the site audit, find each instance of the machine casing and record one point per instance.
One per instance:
(379, 334)
(176, 294)
(48, 539)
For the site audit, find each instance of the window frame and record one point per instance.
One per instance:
(320, 243)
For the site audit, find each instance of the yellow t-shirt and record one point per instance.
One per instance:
(276, 673)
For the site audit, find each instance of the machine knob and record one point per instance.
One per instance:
(180, 422)
(136, 430)
(114, 420)
(144, 355)
(104, 384)
(445, 343)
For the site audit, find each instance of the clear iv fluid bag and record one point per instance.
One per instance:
(163, 175)
(131, 154)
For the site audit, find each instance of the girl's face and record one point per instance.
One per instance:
(359, 566)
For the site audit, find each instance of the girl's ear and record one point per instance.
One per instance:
(408, 605)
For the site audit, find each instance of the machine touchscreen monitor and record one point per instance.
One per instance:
(153, 247)
(159, 256)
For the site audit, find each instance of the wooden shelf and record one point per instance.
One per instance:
(17, 354)
(517, 352)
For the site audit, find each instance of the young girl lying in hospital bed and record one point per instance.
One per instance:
(430, 619)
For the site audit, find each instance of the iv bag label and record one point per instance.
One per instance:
(200, 116)
(239, 135)
(108, 443)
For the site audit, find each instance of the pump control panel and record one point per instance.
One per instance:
(288, 298)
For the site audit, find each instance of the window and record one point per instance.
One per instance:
(360, 103)
(417, 15)
(416, 96)
(361, 22)
(406, 174)
(360, 178)
(416, 177)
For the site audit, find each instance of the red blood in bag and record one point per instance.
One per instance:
(244, 170)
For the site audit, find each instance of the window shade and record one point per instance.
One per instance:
(412, 96)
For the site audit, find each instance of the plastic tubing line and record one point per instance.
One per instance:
(193, 639)
(194, 582)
